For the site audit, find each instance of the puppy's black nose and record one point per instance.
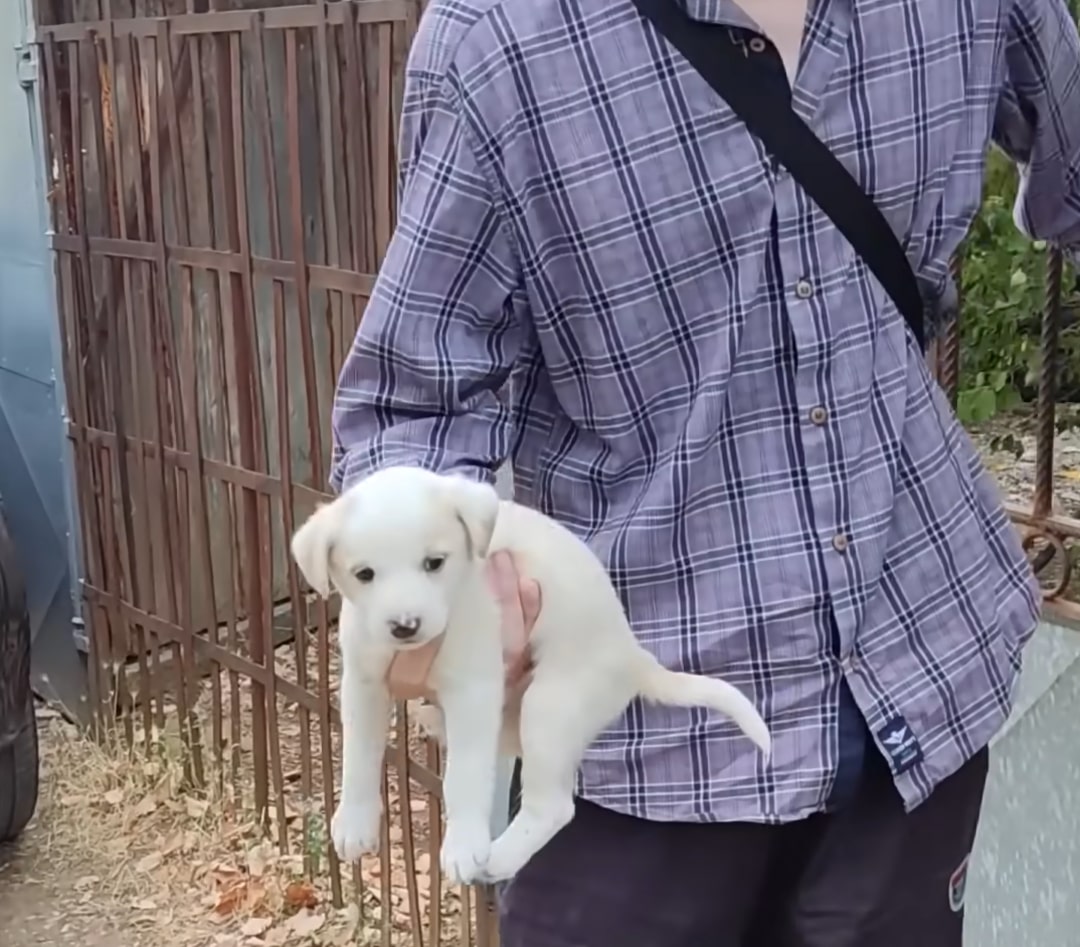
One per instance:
(404, 630)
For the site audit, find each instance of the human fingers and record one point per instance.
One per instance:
(506, 584)
(530, 598)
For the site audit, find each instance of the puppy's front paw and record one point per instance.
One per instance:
(465, 852)
(355, 830)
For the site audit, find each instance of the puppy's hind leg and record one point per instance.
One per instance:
(559, 719)
(471, 716)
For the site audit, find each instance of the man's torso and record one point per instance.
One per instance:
(716, 394)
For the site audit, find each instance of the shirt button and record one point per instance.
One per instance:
(819, 415)
(757, 45)
(803, 289)
(840, 542)
(849, 664)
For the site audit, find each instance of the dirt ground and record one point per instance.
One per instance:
(122, 853)
(43, 893)
(36, 904)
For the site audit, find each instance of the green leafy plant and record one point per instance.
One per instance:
(1003, 295)
(1003, 290)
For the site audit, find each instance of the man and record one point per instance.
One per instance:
(599, 275)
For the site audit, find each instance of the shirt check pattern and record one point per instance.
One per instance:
(598, 274)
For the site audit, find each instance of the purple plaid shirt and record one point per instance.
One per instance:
(599, 275)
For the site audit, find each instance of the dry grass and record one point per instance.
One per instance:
(176, 866)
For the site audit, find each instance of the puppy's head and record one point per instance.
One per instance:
(401, 545)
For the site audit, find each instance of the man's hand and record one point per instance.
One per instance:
(519, 601)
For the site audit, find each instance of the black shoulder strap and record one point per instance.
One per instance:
(738, 81)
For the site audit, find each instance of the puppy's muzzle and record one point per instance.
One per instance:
(405, 628)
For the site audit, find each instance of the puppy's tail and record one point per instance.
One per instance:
(678, 689)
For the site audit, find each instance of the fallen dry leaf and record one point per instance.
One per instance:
(119, 846)
(146, 806)
(256, 926)
(114, 797)
(256, 895)
(305, 924)
(197, 808)
(173, 844)
(149, 862)
(247, 895)
(301, 894)
(235, 891)
(229, 899)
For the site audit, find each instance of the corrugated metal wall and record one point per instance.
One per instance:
(35, 473)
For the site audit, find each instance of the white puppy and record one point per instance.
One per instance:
(406, 549)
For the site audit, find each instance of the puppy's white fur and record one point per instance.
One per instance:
(406, 549)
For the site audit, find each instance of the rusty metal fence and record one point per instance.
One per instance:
(223, 181)
(222, 192)
(1049, 529)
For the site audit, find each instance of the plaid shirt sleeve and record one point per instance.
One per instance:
(421, 384)
(1038, 119)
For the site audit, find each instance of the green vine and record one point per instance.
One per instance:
(1003, 290)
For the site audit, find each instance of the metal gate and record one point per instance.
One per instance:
(222, 192)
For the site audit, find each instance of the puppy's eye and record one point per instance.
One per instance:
(365, 575)
(434, 563)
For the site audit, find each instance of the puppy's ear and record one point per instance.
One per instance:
(476, 506)
(313, 543)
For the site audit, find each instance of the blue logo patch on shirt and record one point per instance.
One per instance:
(898, 740)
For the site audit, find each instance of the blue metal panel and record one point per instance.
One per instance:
(36, 471)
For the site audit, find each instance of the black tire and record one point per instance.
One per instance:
(19, 778)
(18, 724)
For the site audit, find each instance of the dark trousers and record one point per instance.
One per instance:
(866, 875)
